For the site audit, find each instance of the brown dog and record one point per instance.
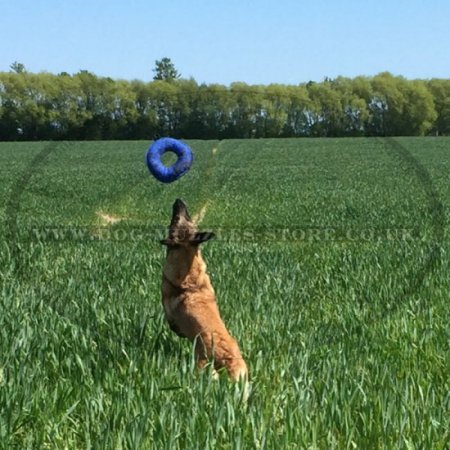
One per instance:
(189, 300)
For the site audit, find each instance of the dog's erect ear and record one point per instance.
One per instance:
(201, 237)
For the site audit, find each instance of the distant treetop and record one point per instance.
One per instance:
(165, 70)
(17, 67)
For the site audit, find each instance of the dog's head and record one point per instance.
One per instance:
(182, 229)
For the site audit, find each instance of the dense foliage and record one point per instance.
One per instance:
(84, 106)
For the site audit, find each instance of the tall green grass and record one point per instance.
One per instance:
(346, 334)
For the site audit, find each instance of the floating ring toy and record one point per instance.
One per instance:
(158, 169)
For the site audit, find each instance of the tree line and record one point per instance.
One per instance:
(82, 106)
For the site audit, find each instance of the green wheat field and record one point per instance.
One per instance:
(331, 268)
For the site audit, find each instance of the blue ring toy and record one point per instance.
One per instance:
(158, 169)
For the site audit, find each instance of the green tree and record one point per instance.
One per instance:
(165, 70)
(274, 112)
(326, 113)
(164, 98)
(386, 105)
(25, 109)
(212, 112)
(298, 108)
(419, 111)
(245, 120)
(11, 99)
(401, 107)
(146, 124)
(440, 90)
(67, 98)
(17, 67)
(353, 94)
(84, 106)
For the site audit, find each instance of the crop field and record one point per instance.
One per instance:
(331, 268)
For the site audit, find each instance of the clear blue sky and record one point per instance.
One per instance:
(258, 42)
